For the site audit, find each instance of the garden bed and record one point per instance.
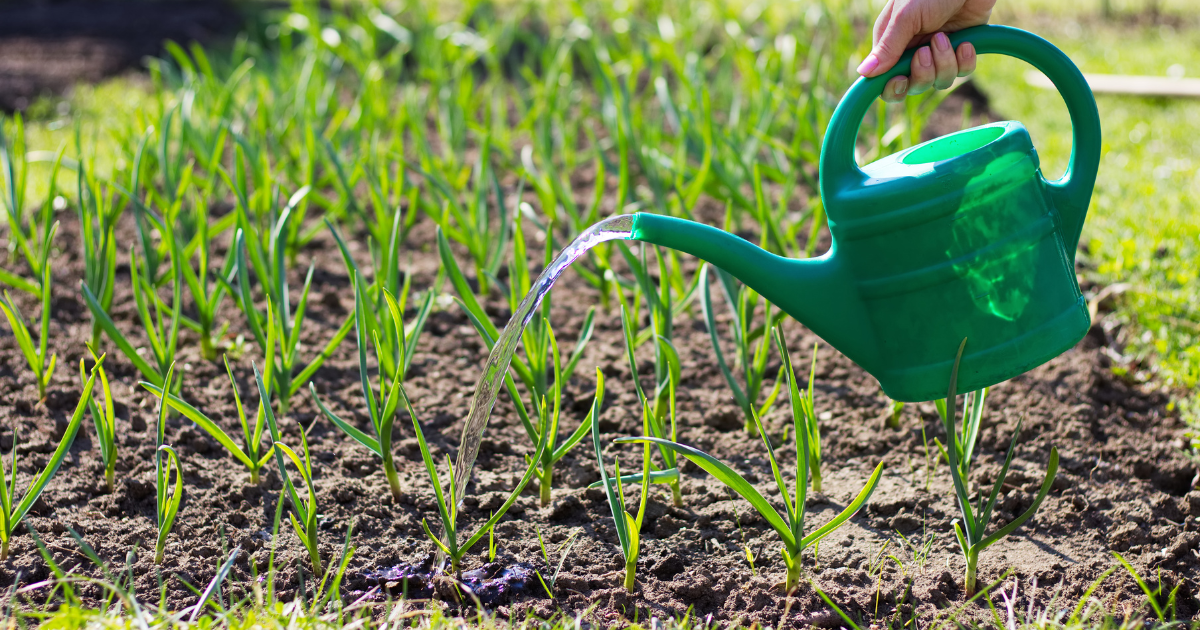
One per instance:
(1123, 484)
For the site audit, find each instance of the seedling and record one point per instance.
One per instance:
(564, 550)
(266, 254)
(790, 527)
(750, 342)
(106, 423)
(34, 242)
(98, 216)
(167, 497)
(397, 343)
(448, 509)
(303, 514)
(665, 394)
(383, 410)
(250, 453)
(542, 372)
(162, 330)
(807, 412)
(972, 527)
(207, 296)
(10, 515)
(35, 356)
(628, 528)
(306, 531)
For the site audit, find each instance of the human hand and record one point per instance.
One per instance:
(906, 23)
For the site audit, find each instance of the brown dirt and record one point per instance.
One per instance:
(1124, 484)
(48, 46)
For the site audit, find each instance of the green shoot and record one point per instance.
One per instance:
(106, 423)
(972, 528)
(894, 412)
(397, 342)
(808, 415)
(564, 551)
(250, 453)
(750, 342)
(35, 355)
(664, 393)
(34, 243)
(206, 294)
(306, 531)
(791, 526)
(492, 548)
(384, 408)
(279, 322)
(162, 329)
(98, 216)
(306, 525)
(10, 513)
(448, 509)
(628, 528)
(548, 420)
(168, 497)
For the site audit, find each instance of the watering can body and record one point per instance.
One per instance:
(957, 238)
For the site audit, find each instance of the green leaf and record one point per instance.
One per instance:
(730, 478)
(56, 460)
(1051, 471)
(847, 513)
(359, 436)
(126, 348)
(203, 421)
(711, 323)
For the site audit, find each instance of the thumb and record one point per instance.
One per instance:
(902, 27)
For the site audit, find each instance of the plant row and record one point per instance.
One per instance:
(352, 118)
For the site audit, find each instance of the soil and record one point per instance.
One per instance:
(1124, 483)
(48, 46)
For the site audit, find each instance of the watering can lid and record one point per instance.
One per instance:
(934, 173)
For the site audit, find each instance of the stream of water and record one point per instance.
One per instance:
(488, 387)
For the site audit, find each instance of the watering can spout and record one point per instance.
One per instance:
(817, 292)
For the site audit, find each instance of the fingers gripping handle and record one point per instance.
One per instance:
(1072, 192)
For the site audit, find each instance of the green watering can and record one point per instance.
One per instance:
(957, 238)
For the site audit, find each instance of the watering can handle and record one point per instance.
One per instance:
(1072, 192)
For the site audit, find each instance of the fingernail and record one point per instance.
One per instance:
(924, 57)
(901, 86)
(942, 42)
(968, 51)
(868, 65)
